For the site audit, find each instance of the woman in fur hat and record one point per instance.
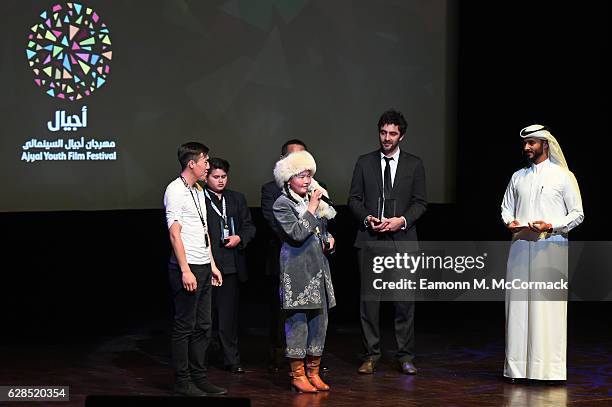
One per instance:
(306, 288)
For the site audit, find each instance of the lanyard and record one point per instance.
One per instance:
(198, 206)
(224, 208)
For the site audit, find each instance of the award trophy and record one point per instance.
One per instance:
(325, 240)
(385, 208)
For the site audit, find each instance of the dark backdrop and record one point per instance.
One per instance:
(245, 73)
(516, 65)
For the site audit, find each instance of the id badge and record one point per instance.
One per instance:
(226, 231)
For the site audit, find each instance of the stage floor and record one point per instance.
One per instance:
(458, 368)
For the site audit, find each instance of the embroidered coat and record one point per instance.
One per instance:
(304, 269)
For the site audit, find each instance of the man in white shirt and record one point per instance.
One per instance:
(541, 205)
(191, 271)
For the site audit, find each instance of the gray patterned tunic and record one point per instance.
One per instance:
(304, 269)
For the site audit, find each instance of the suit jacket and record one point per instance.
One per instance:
(408, 192)
(269, 194)
(237, 208)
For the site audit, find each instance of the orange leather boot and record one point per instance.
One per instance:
(299, 382)
(312, 372)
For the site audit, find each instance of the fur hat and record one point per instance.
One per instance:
(294, 164)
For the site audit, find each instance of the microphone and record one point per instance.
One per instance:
(327, 200)
(323, 197)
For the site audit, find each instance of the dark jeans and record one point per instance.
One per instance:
(192, 323)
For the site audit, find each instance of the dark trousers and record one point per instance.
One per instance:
(225, 300)
(192, 323)
(277, 321)
(276, 333)
(404, 329)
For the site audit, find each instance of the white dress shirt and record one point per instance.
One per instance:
(544, 192)
(392, 163)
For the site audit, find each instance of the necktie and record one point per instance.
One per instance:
(387, 187)
(387, 178)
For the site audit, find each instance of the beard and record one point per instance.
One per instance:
(391, 147)
(536, 154)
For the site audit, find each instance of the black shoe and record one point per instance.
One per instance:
(209, 389)
(555, 382)
(187, 389)
(408, 368)
(277, 360)
(236, 369)
(548, 382)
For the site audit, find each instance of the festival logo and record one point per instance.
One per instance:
(69, 51)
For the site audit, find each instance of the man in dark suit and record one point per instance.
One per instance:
(387, 197)
(231, 229)
(269, 194)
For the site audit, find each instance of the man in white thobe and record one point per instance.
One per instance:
(541, 205)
